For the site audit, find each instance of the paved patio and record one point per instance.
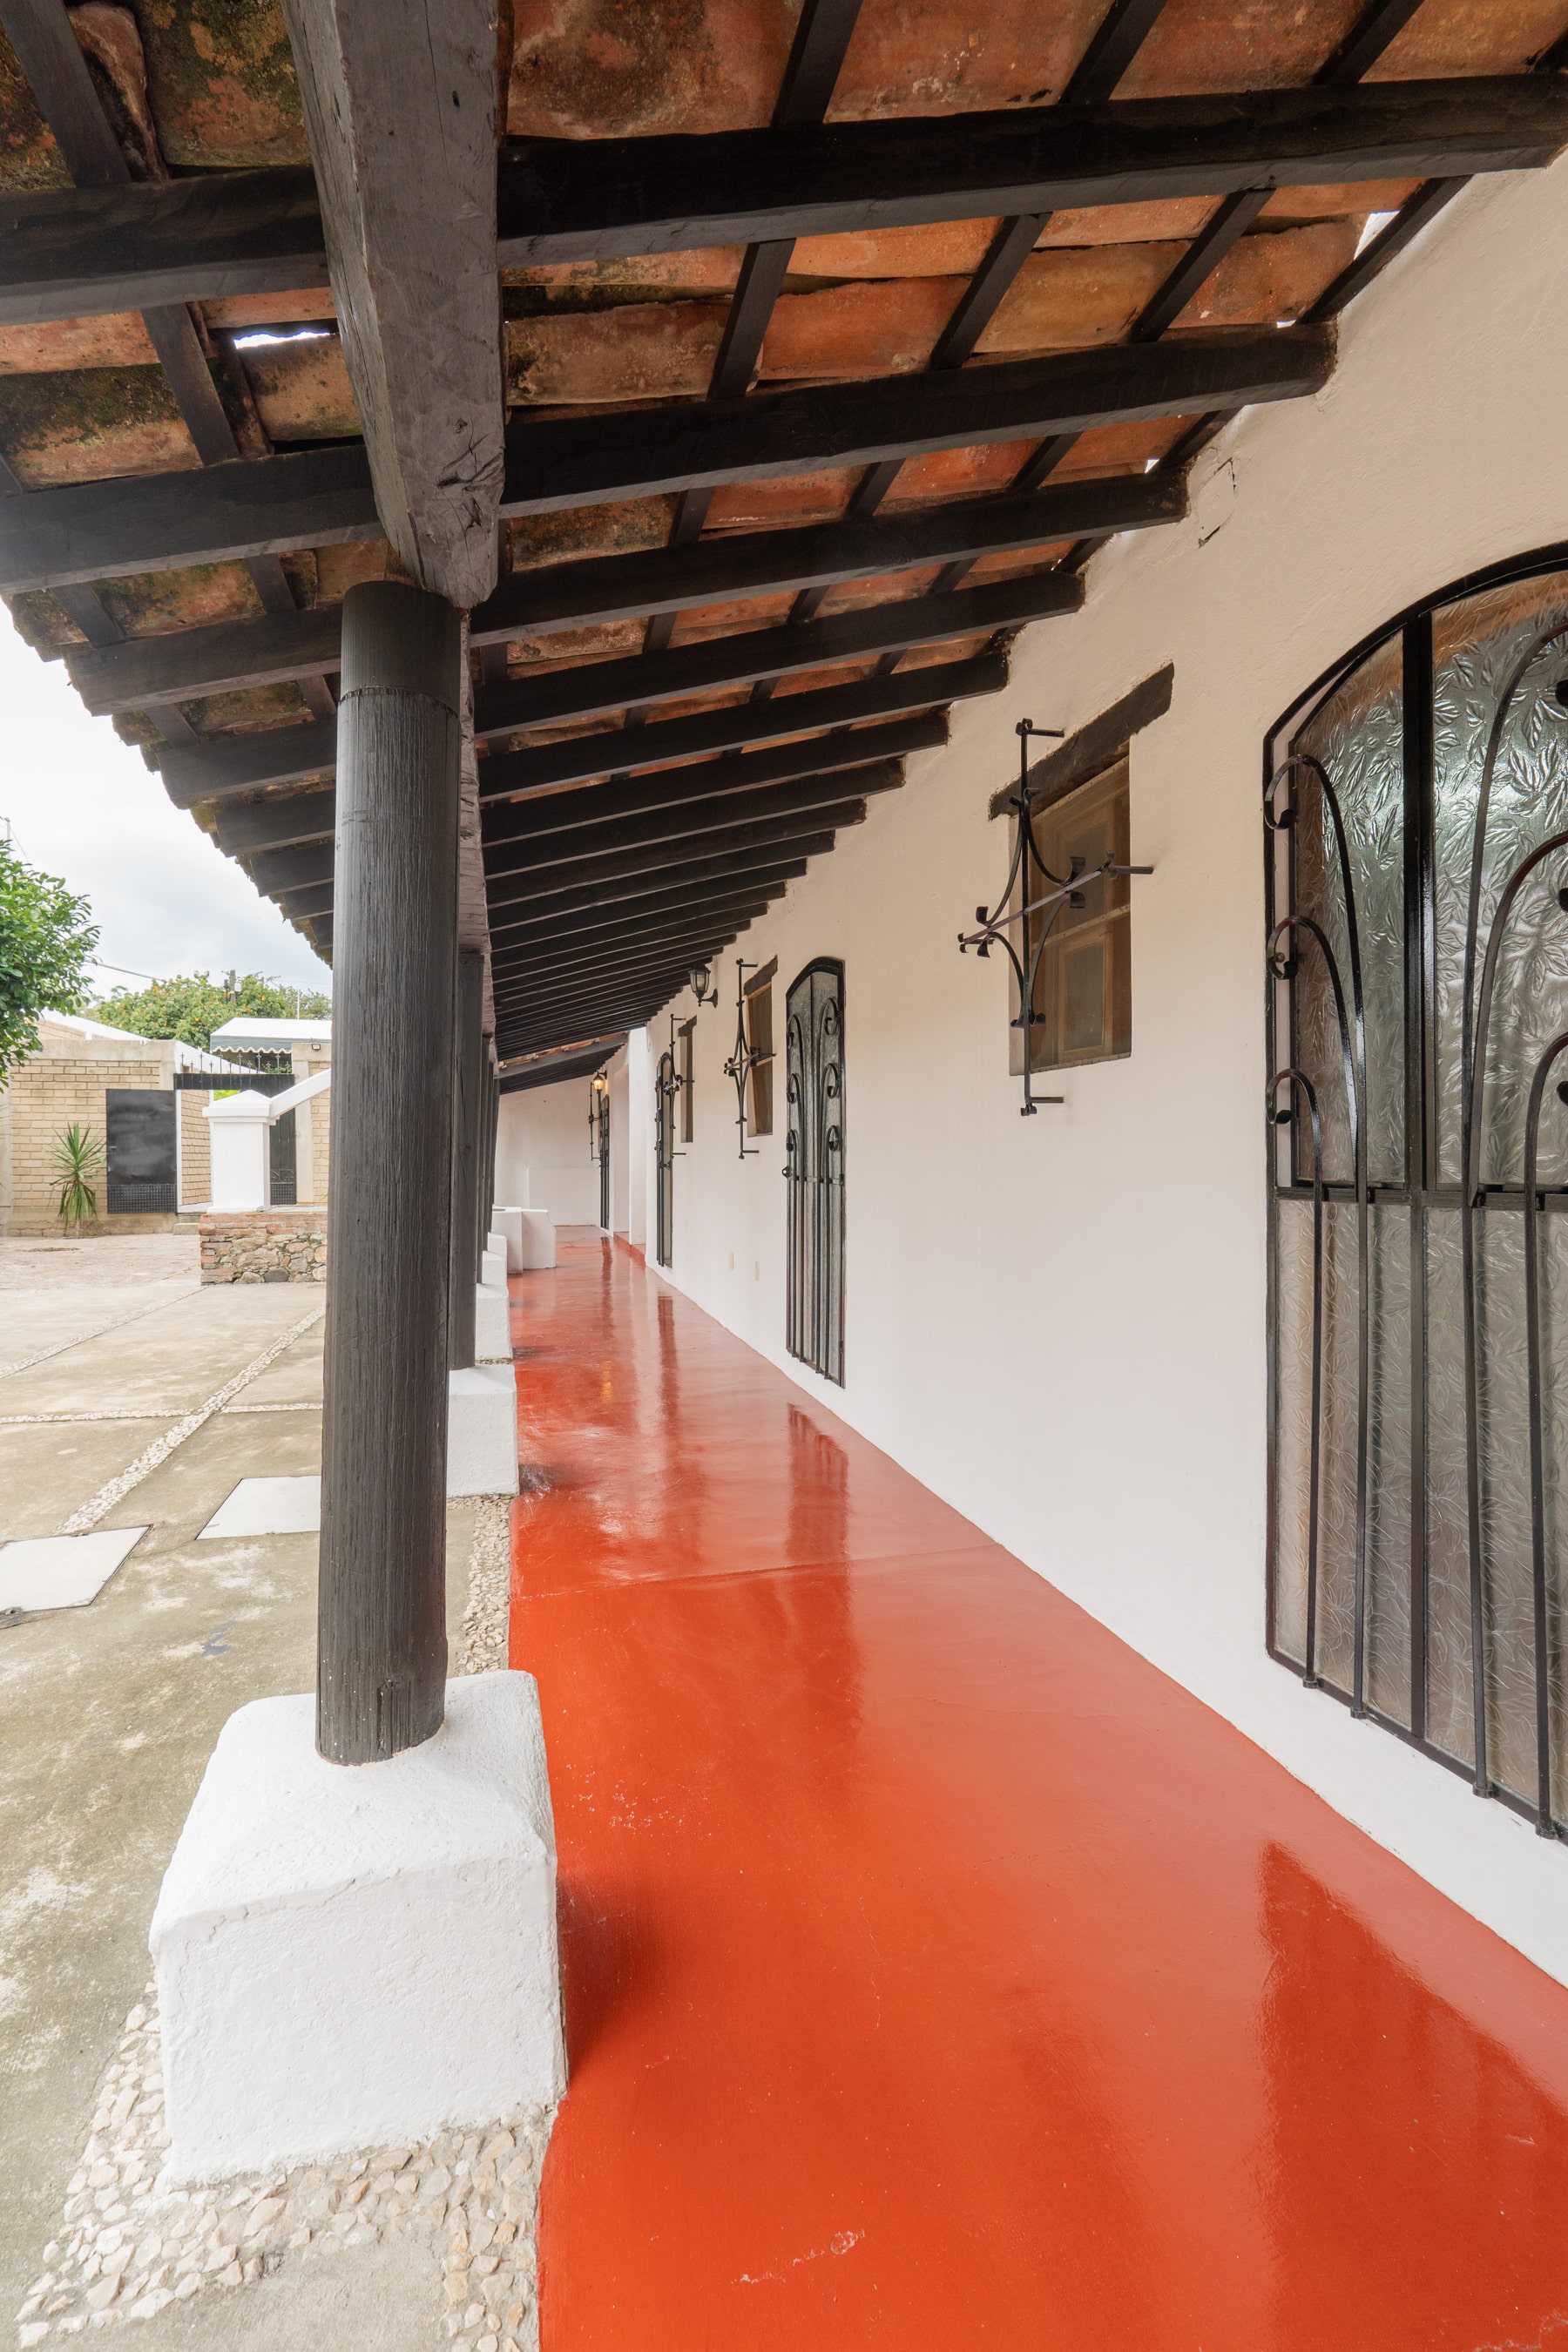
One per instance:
(107, 1712)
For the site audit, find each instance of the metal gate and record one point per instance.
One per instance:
(141, 1162)
(666, 1086)
(1417, 875)
(813, 1066)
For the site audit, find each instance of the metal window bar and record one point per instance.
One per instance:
(814, 1167)
(1477, 866)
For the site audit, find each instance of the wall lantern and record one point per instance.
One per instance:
(1035, 915)
(701, 983)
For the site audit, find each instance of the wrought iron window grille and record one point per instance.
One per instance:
(668, 1085)
(1481, 1054)
(747, 1058)
(1043, 897)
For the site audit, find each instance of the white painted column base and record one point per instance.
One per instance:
(481, 1431)
(493, 1325)
(538, 1238)
(352, 1955)
(509, 1225)
(492, 1269)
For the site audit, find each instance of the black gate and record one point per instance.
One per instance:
(813, 1063)
(140, 1160)
(1418, 872)
(666, 1088)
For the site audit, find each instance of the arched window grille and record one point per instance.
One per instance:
(814, 1166)
(1416, 829)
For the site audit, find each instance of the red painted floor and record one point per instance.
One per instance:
(937, 1973)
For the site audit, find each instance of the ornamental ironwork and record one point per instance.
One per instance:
(747, 1058)
(1416, 818)
(814, 1166)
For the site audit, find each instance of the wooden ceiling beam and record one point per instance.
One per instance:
(658, 901)
(400, 111)
(691, 820)
(568, 460)
(560, 1067)
(741, 870)
(693, 936)
(283, 823)
(506, 775)
(783, 836)
(599, 200)
(223, 658)
(156, 522)
(521, 822)
(593, 688)
(237, 763)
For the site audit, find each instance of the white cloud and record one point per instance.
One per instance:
(83, 806)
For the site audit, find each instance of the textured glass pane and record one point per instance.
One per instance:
(1497, 659)
(1293, 1424)
(1357, 738)
(1388, 1461)
(1447, 1542)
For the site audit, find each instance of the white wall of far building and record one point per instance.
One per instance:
(1059, 1323)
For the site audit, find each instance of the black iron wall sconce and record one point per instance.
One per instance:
(1054, 892)
(703, 986)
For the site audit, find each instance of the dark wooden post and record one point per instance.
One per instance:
(488, 1166)
(467, 1109)
(381, 1672)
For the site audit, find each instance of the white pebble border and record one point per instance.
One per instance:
(129, 2245)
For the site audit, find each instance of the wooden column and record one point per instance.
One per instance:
(468, 1113)
(382, 1636)
(488, 1166)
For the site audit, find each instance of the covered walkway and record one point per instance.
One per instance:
(937, 1973)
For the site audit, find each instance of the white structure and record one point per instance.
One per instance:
(481, 1430)
(538, 1239)
(509, 1229)
(240, 1126)
(493, 1325)
(1081, 1367)
(492, 1267)
(422, 1890)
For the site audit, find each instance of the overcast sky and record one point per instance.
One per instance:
(82, 806)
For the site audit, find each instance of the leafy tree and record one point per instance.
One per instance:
(191, 1005)
(47, 935)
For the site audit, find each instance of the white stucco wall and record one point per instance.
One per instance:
(1058, 1323)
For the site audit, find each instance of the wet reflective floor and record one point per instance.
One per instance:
(937, 1973)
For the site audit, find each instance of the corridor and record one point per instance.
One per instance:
(937, 1973)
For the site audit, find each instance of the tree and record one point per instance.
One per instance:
(191, 1005)
(47, 935)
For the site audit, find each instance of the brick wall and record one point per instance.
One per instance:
(195, 1148)
(263, 1245)
(318, 1111)
(66, 1083)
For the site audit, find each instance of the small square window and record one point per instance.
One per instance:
(1083, 982)
(759, 1040)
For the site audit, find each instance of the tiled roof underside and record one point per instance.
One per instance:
(202, 86)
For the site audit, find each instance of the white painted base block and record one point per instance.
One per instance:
(492, 1269)
(508, 1224)
(352, 1955)
(494, 1241)
(481, 1431)
(493, 1325)
(62, 1571)
(538, 1238)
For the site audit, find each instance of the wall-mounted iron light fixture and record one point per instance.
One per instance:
(1034, 914)
(704, 988)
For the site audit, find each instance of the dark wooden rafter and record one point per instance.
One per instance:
(226, 657)
(400, 110)
(506, 822)
(234, 764)
(579, 461)
(753, 871)
(277, 870)
(568, 200)
(673, 910)
(593, 688)
(580, 758)
(690, 820)
(1375, 28)
(282, 822)
(103, 249)
(691, 937)
(634, 1003)
(562, 1066)
(539, 880)
(51, 58)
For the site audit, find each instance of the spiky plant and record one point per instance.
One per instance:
(78, 1160)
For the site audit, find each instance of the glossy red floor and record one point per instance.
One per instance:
(937, 1973)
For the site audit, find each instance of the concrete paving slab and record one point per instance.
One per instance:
(295, 1378)
(180, 1497)
(267, 1506)
(40, 1323)
(178, 1355)
(382, 2298)
(62, 1571)
(41, 1261)
(48, 1469)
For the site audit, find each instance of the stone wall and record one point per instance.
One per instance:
(264, 1245)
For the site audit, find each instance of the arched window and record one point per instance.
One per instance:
(1417, 828)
